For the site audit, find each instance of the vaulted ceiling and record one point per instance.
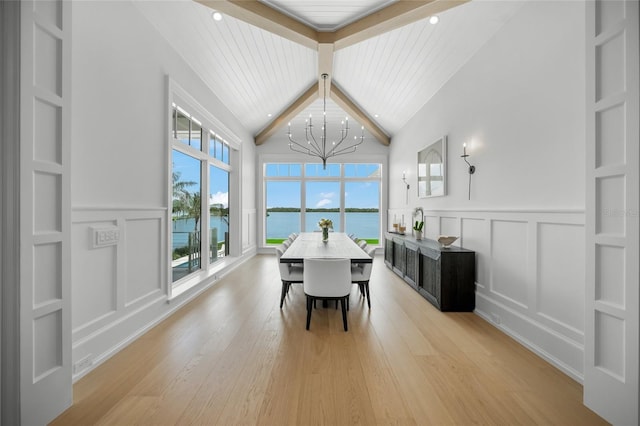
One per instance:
(384, 59)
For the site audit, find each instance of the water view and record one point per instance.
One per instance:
(365, 225)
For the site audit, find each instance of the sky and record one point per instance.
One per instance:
(189, 169)
(325, 193)
(319, 193)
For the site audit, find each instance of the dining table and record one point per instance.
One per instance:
(309, 245)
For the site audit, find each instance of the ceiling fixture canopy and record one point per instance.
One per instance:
(322, 148)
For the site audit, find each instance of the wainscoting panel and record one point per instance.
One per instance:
(449, 226)
(561, 274)
(119, 281)
(113, 280)
(143, 250)
(431, 226)
(474, 232)
(509, 261)
(93, 276)
(530, 276)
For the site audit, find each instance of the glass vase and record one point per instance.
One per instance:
(325, 235)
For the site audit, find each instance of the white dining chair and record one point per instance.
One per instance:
(289, 274)
(362, 244)
(361, 275)
(327, 279)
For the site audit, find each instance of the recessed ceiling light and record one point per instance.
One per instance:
(434, 19)
(377, 115)
(217, 16)
(269, 115)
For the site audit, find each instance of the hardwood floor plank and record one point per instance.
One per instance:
(232, 356)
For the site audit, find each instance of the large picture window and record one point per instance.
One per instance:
(298, 195)
(200, 194)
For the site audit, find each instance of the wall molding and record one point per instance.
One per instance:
(110, 331)
(520, 288)
(10, 212)
(519, 336)
(111, 208)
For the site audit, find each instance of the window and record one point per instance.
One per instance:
(200, 214)
(218, 213)
(323, 201)
(297, 196)
(283, 210)
(185, 215)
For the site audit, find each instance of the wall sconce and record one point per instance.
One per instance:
(404, 179)
(472, 169)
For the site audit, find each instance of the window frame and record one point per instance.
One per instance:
(177, 96)
(265, 159)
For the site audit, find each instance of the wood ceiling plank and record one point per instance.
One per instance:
(262, 16)
(389, 18)
(342, 100)
(306, 99)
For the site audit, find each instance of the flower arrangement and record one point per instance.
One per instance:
(325, 223)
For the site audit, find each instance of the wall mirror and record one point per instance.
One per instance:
(432, 162)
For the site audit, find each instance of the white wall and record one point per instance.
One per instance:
(519, 105)
(120, 173)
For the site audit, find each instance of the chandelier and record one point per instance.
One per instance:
(323, 149)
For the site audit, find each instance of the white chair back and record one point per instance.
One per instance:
(284, 267)
(327, 277)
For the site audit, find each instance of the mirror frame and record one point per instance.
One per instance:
(425, 173)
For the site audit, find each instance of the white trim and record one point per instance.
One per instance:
(295, 158)
(176, 92)
(9, 212)
(527, 314)
(178, 96)
(612, 344)
(558, 338)
(154, 310)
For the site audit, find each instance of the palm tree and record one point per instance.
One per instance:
(180, 194)
(192, 207)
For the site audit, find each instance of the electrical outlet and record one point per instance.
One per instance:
(105, 236)
(496, 318)
(83, 364)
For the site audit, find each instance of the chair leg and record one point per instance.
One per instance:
(283, 293)
(344, 313)
(309, 309)
(366, 287)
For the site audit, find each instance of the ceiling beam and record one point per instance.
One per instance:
(340, 98)
(262, 16)
(394, 16)
(303, 101)
(325, 66)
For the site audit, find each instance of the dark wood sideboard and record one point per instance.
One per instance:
(443, 276)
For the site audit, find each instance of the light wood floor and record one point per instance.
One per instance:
(233, 357)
